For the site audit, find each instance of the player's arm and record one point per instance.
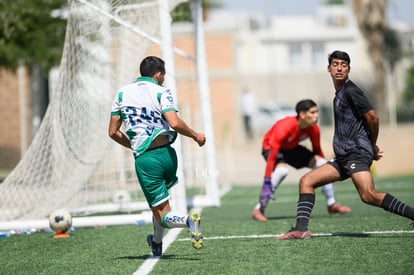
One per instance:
(372, 120)
(271, 161)
(115, 133)
(275, 141)
(181, 127)
(315, 138)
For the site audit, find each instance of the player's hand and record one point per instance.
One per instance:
(200, 139)
(267, 181)
(377, 152)
(266, 194)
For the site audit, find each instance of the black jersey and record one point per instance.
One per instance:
(351, 135)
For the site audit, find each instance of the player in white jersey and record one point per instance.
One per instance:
(149, 112)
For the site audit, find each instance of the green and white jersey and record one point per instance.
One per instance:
(141, 105)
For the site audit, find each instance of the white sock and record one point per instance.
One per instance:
(327, 189)
(278, 175)
(158, 231)
(173, 220)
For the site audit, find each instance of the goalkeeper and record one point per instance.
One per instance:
(149, 113)
(281, 148)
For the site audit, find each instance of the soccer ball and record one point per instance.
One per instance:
(60, 221)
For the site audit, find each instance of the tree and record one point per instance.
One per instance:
(182, 12)
(406, 107)
(392, 48)
(371, 21)
(30, 33)
(408, 95)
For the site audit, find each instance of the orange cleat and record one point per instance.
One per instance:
(258, 215)
(295, 235)
(337, 208)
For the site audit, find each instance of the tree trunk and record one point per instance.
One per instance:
(371, 20)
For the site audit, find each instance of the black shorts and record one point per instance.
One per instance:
(297, 157)
(352, 164)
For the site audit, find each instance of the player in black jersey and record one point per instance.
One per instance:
(355, 147)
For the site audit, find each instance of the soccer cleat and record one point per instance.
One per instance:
(258, 215)
(294, 235)
(155, 247)
(337, 208)
(195, 229)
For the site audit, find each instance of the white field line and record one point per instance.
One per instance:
(390, 232)
(151, 261)
(171, 236)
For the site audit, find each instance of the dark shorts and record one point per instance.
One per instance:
(297, 157)
(352, 164)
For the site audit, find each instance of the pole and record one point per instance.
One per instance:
(212, 191)
(178, 202)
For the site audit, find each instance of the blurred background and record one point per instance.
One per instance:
(276, 50)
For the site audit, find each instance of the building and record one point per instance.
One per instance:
(281, 59)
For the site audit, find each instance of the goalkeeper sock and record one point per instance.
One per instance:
(327, 189)
(278, 175)
(328, 192)
(303, 211)
(394, 205)
(173, 220)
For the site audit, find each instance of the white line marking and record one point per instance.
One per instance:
(151, 261)
(313, 235)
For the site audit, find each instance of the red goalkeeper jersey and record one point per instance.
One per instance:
(285, 134)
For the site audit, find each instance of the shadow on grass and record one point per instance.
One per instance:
(281, 218)
(166, 257)
(293, 217)
(358, 235)
(344, 234)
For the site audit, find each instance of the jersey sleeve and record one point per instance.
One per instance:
(168, 101)
(116, 104)
(358, 100)
(277, 134)
(315, 137)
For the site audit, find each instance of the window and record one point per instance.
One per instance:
(318, 54)
(295, 55)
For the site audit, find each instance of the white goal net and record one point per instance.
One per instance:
(72, 163)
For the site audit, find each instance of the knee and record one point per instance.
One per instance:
(282, 171)
(305, 181)
(371, 198)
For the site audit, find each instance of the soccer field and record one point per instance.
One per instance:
(369, 240)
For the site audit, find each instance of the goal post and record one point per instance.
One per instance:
(71, 162)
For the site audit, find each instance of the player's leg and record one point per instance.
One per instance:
(364, 183)
(155, 240)
(170, 219)
(328, 191)
(156, 171)
(279, 174)
(311, 180)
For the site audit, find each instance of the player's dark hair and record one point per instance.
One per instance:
(151, 65)
(339, 55)
(304, 105)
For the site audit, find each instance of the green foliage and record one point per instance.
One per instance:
(408, 94)
(236, 244)
(334, 2)
(29, 33)
(182, 12)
